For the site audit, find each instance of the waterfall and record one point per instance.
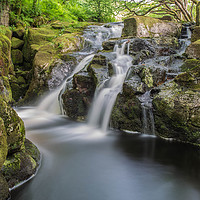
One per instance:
(147, 113)
(103, 103)
(94, 37)
(51, 103)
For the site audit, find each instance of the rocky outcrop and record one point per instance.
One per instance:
(127, 112)
(193, 51)
(195, 34)
(177, 107)
(141, 26)
(13, 149)
(43, 49)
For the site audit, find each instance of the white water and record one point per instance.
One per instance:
(94, 35)
(51, 102)
(102, 106)
(147, 113)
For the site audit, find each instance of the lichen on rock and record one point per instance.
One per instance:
(141, 26)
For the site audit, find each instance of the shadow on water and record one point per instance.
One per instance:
(82, 163)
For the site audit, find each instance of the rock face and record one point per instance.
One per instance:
(177, 107)
(127, 112)
(42, 50)
(141, 26)
(14, 151)
(193, 51)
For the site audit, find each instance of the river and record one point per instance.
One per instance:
(81, 162)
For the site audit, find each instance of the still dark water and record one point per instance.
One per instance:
(81, 163)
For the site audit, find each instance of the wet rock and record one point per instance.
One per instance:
(195, 34)
(14, 127)
(43, 48)
(177, 107)
(126, 114)
(76, 101)
(193, 50)
(109, 45)
(141, 26)
(149, 75)
(21, 165)
(189, 64)
(98, 68)
(4, 189)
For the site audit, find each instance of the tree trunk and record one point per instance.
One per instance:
(4, 12)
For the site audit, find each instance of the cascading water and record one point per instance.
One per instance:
(94, 36)
(147, 113)
(101, 167)
(104, 101)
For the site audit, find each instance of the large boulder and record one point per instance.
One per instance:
(193, 50)
(21, 165)
(141, 26)
(77, 100)
(177, 108)
(195, 34)
(12, 131)
(127, 112)
(14, 127)
(43, 49)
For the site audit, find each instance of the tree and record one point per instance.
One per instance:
(101, 10)
(181, 10)
(4, 12)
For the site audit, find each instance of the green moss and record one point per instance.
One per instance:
(3, 143)
(17, 56)
(196, 34)
(5, 60)
(4, 194)
(142, 26)
(14, 127)
(189, 64)
(17, 43)
(5, 89)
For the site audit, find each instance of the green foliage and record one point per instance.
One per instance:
(100, 10)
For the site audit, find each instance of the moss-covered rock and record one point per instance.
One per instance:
(127, 112)
(4, 189)
(5, 55)
(189, 64)
(17, 43)
(195, 34)
(5, 89)
(19, 32)
(17, 56)
(193, 50)
(68, 42)
(14, 127)
(21, 165)
(76, 101)
(141, 26)
(6, 31)
(3, 143)
(19, 86)
(98, 69)
(177, 108)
